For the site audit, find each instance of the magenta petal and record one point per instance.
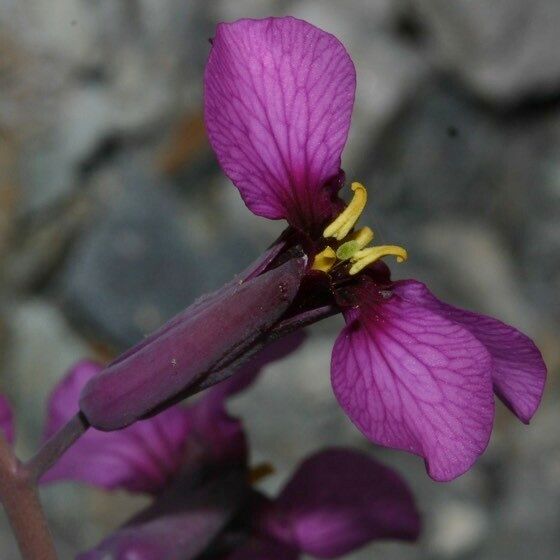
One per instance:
(518, 369)
(140, 458)
(221, 326)
(6, 419)
(411, 379)
(339, 500)
(278, 100)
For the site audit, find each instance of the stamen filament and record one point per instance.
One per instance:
(340, 228)
(324, 260)
(365, 257)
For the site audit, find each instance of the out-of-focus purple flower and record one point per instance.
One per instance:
(143, 457)
(180, 524)
(338, 500)
(410, 371)
(149, 454)
(194, 460)
(6, 419)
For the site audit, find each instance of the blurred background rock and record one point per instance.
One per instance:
(114, 215)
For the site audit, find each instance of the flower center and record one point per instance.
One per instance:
(352, 246)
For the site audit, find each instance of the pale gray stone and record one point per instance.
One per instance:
(504, 50)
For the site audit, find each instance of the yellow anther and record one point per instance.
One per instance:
(324, 260)
(363, 236)
(365, 257)
(340, 228)
(260, 471)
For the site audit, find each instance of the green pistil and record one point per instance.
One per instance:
(347, 250)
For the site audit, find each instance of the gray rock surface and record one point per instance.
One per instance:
(144, 258)
(506, 51)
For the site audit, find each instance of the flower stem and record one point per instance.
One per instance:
(19, 496)
(56, 446)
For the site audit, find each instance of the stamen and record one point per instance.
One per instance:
(364, 236)
(365, 257)
(353, 246)
(340, 228)
(324, 260)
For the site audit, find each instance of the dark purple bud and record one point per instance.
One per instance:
(213, 331)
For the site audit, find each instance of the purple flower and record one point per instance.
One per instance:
(194, 462)
(6, 420)
(338, 500)
(410, 371)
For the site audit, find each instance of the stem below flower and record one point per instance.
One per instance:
(56, 446)
(20, 499)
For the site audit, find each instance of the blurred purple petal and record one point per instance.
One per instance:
(518, 370)
(140, 458)
(218, 433)
(63, 400)
(339, 500)
(411, 379)
(179, 526)
(278, 99)
(143, 457)
(158, 372)
(6, 419)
